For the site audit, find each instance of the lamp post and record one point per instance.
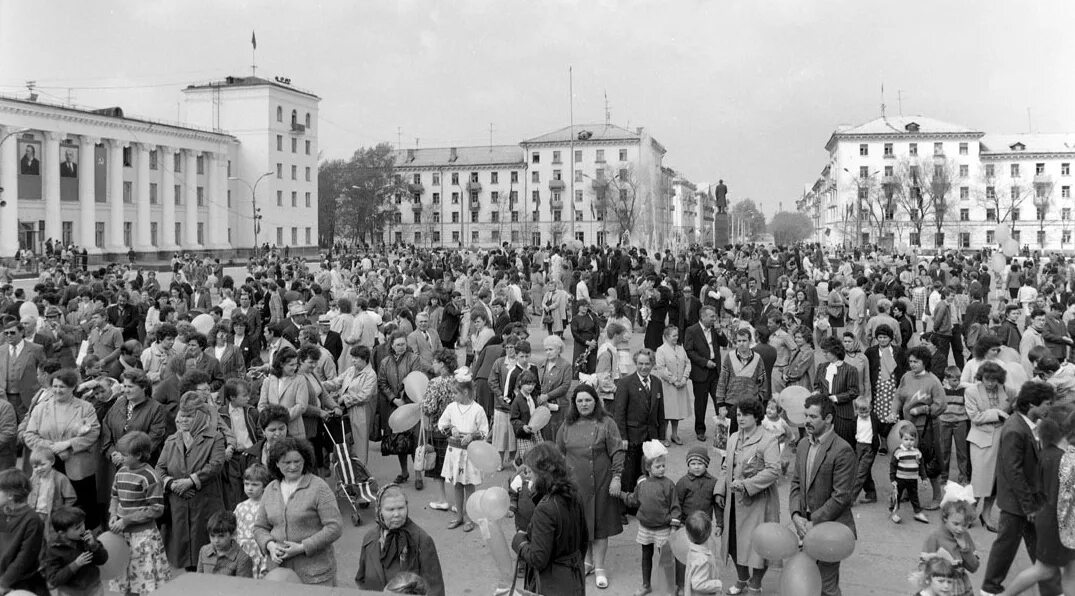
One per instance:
(861, 182)
(254, 203)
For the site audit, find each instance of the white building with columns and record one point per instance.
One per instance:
(112, 183)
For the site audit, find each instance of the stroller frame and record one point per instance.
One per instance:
(353, 481)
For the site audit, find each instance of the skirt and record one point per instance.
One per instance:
(882, 400)
(657, 536)
(522, 446)
(503, 436)
(983, 466)
(457, 468)
(148, 568)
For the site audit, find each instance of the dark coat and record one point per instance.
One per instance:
(824, 493)
(639, 414)
(698, 353)
(23, 531)
(690, 308)
(1019, 488)
(334, 344)
(554, 546)
(873, 357)
(845, 388)
(373, 574)
(188, 531)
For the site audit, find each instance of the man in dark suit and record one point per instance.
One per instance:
(59, 341)
(29, 165)
(19, 360)
(1020, 495)
(823, 481)
(331, 340)
(123, 316)
(423, 341)
(248, 345)
(639, 413)
(702, 342)
(690, 310)
(754, 298)
(68, 169)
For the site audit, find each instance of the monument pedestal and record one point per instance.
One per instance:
(721, 230)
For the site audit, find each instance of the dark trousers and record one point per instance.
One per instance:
(957, 344)
(632, 467)
(830, 578)
(946, 431)
(940, 357)
(703, 392)
(1011, 528)
(85, 495)
(864, 454)
(906, 490)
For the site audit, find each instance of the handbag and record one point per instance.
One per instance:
(523, 570)
(425, 457)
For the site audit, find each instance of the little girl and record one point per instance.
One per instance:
(522, 407)
(50, 489)
(137, 502)
(255, 478)
(775, 423)
(935, 575)
(954, 538)
(21, 540)
(658, 508)
(463, 421)
(720, 433)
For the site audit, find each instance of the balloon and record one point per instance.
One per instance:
(405, 417)
(203, 323)
(793, 400)
(774, 541)
(495, 502)
(21, 593)
(283, 575)
(1008, 354)
(1017, 376)
(801, 577)
(894, 435)
(415, 385)
(119, 554)
(831, 542)
(1003, 234)
(474, 504)
(483, 456)
(681, 545)
(539, 418)
(998, 262)
(1011, 248)
(725, 291)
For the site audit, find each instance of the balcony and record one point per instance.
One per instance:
(416, 206)
(1042, 179)
(556, 185)
(416, 188)
(889, 181)
(387, 207)
(297, 128)
(475, 205)
(474, 186)
(557, 202)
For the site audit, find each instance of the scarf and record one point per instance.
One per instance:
(395, 543)
(888, 362)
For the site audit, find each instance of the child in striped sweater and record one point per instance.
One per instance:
(137, 502)
(906, 468)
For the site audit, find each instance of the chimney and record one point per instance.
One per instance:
(410, 155)
(454, 154)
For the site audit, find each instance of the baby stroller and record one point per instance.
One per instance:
(353, 480)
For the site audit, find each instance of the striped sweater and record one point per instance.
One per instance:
(137, 497)
(906, 464)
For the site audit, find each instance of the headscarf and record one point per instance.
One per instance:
(395, 543)
(193, 404)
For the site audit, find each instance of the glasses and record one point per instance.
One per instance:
(11, 332)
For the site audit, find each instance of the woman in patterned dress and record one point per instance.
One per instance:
(887, 363)
(439, 393)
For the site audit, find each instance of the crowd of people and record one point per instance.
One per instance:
(192, 418)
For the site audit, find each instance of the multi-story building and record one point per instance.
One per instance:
(922, 182)
(113, 183)
(590, 183)
(686, 212)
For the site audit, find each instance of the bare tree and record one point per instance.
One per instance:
(1043, 199)
(1002, 197)
(939, 178)
(876, 205)
(909, 195)
(620, 195)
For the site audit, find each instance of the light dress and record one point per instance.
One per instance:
(470, 418)
(246, 513)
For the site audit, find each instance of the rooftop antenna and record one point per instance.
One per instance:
(399, 137)
(490, 137)
(253, 54)
(882, 101)
(415, 142)
(608, 114)
(30, 85)
(1029, 123)
(899, 100)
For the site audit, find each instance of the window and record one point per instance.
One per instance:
(416, 179)
(578, 196)
(864, 149)
(436, 198)
(1039, 169)
(279, 113)
(989, 172)
(494, 235)
(535, 157)
(1065, 169)
(888, 150)
(229, 198)
(515, 177)
(153, 193)
(153, 233)
(938, 173)
(990, 236)
(455, 217)
(455, 198)
(436, 217)
(535, 216)
(308, 235)
(455, 237)
(294, 172)
(964, 170)
(888, 171)
(536, 196)
(308, 173)
(991, 215)
(279, 142)
(515, 236)
(1065, 213)
(599, 156)
(294, 236)
(938, 148)
(1015, 214)
(623, 155)
(177, 166)
(294, 199)
(178, 195)
(578, 155)
(294, 145)
(494, 217)
(1015, 193)
(201, 234)
(578, 215)
(294, 117)
(1065, 192)
(474, 236)
(912, 149)
(455, 178)
(99, 234)
(864, 172)
(514, 217)
(964, 239)
(279, 171)
(153, 159)
(557, 175)
(494, 197)
(990, 192)
(474, 177)
(417, 217)
(473, 197)
(200, 192)
(914, 240)
(1015, 170)
(308, 120)
(229, 168)
(964, 193)
(535, 177)
(964, 215)
(494, 177)
(578, 175)
(279, 198)
(307, 147)
(127, 190)
(179, 232)
(864, 193)
(556, 215)
(555, 157)
(963, 149)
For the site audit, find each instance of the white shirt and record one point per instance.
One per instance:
(238, 426)
(863, 430)
(16, 349)
(287, 489)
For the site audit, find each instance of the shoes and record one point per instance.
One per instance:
(988, 526)
(439, 505)
(468, 527)
(643, 590)
(677, 440)
(701, 437)
(455, 523)
(921, 517)
(895, 518)
(600, 579)
(418, 485)
(666, 443)
(737, 588)
(402, 479)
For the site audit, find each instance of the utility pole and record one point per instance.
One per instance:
(571, 151)
(399, 137)
(490, 137)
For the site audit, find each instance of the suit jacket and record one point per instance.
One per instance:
(60, 345)
(68, 170)
(698, 353)
(208, 364)
(231, 362)
(690, 308)
(23, 373)
(76, 423)
(556, 382)
(845, 387)
(201, 301)
(30, 167)
(1019, 489)
(639, 414)
(823, 493)
(425, 348)
(334, 344)
(873, 357)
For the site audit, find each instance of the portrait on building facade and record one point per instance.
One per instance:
(69, 161)
(29, 163)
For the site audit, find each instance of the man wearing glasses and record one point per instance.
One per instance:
(19, 360)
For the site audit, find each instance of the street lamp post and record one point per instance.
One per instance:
(254, 203)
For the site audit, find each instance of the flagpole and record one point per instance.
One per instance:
(253, 54)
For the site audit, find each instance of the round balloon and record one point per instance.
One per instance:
(495, 503)
(484, 456)
(894, 435)
(1008, 354)
(774, 541)
(681, 545)
(540, 418)
(414, 385)
(793, 400)
(474, 505)
(119, 553)
(1011, 248)
(1017, 376)
(1003, 234)
(405, 417)
(800, 577)
(831, 542)
(203, 323)
(283, 575)
(725, 291)
(998, 262)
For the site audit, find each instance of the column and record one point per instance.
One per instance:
(190, 198)
(114, 228)
(166, 163)
(87, 181)
(50, 184)
(142, 238)
(216, 164)
(9, 198)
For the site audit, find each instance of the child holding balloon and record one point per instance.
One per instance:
(658, 508)
(137, 502)
(522, 408)
(463, 421)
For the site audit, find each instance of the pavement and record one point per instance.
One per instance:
(886, 553)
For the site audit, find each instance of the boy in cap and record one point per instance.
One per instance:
(695, 493)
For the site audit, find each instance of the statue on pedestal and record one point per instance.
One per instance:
(721, 193)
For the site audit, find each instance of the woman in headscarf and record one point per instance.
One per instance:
(887, 364)
(853, 355)
(190, 466)
(397, 545)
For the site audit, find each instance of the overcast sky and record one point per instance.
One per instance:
(744, 91)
